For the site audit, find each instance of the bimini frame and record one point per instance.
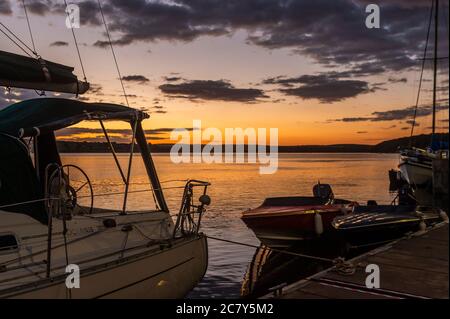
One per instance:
(138, 137)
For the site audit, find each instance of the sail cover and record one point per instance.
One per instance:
(45, 115)
(30, 73)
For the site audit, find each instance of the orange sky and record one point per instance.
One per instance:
(232, 58)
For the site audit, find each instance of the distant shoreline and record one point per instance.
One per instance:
(390, 146)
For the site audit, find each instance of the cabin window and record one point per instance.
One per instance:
(8, 242)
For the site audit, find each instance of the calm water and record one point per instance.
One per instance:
(235, 188)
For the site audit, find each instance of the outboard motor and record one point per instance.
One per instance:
(323, 191)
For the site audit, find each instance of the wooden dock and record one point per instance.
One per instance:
(413, 267)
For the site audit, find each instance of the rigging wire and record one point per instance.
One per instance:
(113, 53)
(421, 73)
(29, 26)
(17, 40)
(76, 44)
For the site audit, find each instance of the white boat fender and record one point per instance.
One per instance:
(422, 225)
(318, 224)
(443, 216)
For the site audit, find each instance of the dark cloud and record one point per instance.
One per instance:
(135, 78)
(105, 44)
(400, 80)
(411, 122)
(59, 44)
(38, 7)
(212, 90)
(173, 78)
(330, 91)
(395, 115)
(5, 7)
(96, 89)
(362, 132)
(333, 32)
(401, 3)
(326, 87)
(83, 133)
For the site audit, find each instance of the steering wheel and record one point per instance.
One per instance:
(71, 184)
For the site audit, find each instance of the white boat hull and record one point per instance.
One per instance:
(116, 262)
(169, 273)
(417, 174)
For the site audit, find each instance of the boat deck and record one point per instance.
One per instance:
(412, 267)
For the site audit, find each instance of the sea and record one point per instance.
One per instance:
(234, 189)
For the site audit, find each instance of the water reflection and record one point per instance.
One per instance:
(273, 268)
(236, 188)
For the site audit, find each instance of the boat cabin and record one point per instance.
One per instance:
(27, 179)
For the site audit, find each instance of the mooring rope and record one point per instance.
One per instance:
(273, 249)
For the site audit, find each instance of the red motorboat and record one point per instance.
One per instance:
(286, 221)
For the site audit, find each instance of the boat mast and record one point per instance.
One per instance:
(436, 27)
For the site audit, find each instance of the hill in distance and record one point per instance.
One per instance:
(390, 146)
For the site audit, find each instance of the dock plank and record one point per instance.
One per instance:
(318, 290)
(416, 266)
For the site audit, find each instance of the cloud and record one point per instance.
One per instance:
(326, 87)
(331, 91)
(395, 115)
(136, 78)
(123, 135)
(220, 90)
(38, 7)
(331, 32)
(59, 44)
(96, 89)
(5, 7)
(411, 122)
(172, 78)
(362, 132)
(400, 80)
(105, 44)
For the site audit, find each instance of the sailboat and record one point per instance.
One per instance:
(55, 242)
(416, 165)
(373, 225)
